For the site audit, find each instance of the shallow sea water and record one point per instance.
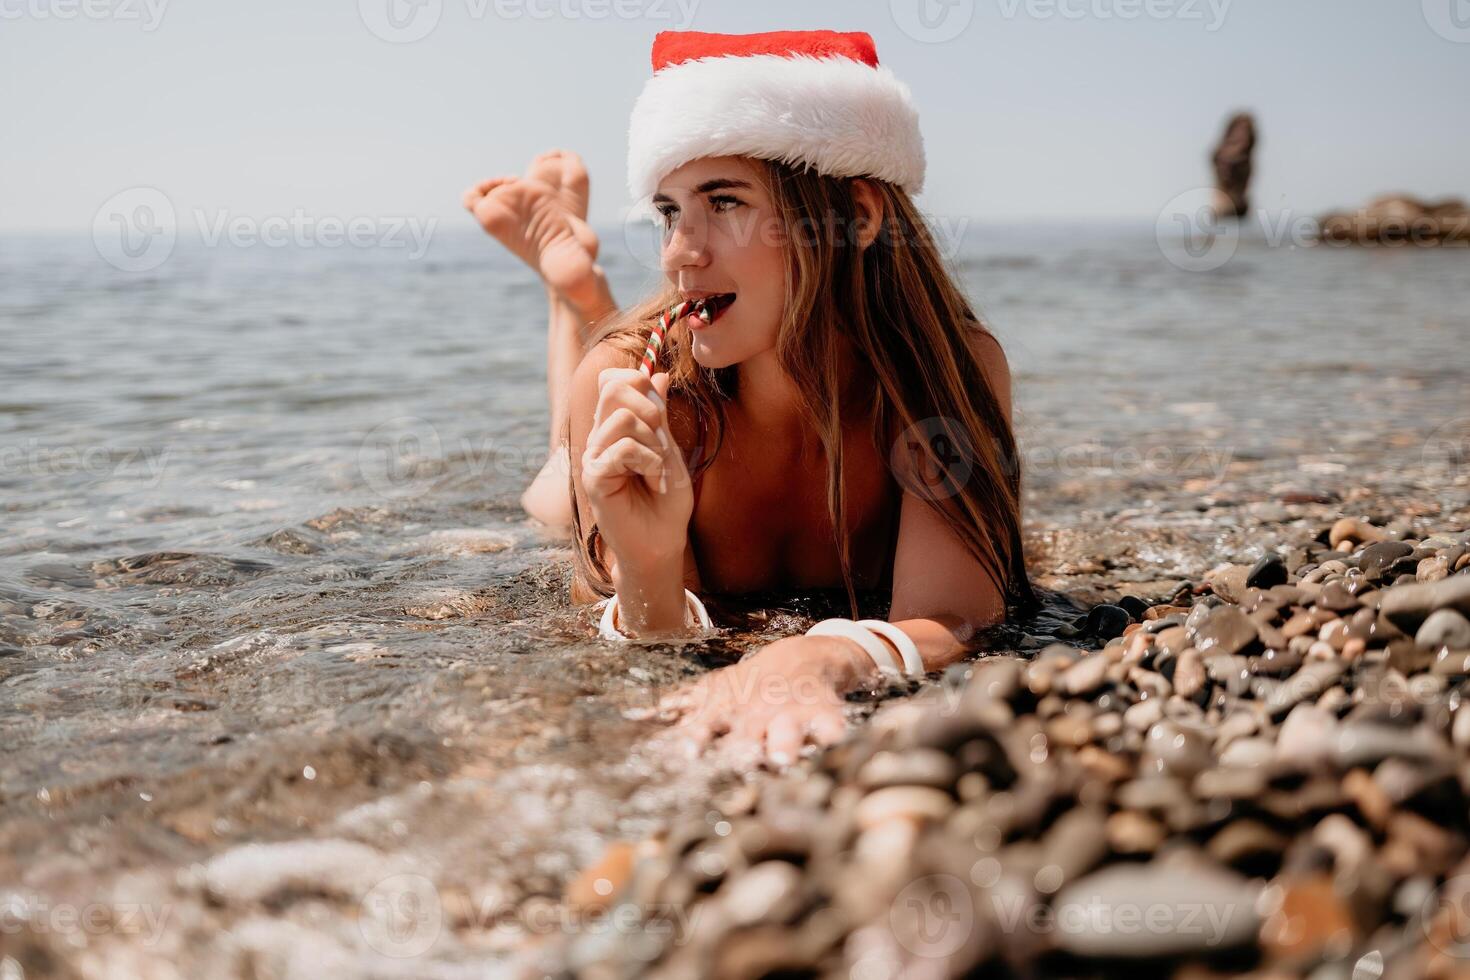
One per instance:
(264, 578)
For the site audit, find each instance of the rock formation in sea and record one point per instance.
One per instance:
(1232, 161)
(1400, 219)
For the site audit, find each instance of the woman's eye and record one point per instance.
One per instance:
(668, 214)
(717, 201)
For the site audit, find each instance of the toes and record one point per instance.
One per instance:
(584, 234)
(476, 193)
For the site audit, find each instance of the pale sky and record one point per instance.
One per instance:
(1062, 109)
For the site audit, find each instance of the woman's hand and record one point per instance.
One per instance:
(768, 704)
(633, 473)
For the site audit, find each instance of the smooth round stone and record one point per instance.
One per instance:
(1268, 572)
(1408, 606)
(1091, 910)
(1300, 624)
(1432, 569)
(1142, 716)
(1310, 920)
(1170, 749)
(1243, 840)
(911, 802)
(1154, 626)
(1277, 663)
(914, 767)
(1460, 727)
(1129, 832)
(1350, 529)
(1227, 631)
(1237, 725)
(1230, 583)
(1133, 605)
(1085, 676)
(998, 679)
(1336, 597)
(1175, 639)
(1200, 613)
(1368, 744)
(1106, 621)
(1444, 628)
(1376, 558)
(1107, 724)
(1189, 675)
(1248, 753)
(1230, 783)
(769, 890)
(1306, 736)
(1152, 793)
(1308, 683)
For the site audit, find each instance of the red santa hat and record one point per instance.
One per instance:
(813, 98)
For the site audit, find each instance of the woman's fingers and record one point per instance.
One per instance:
(626, 457)
(626, 388)
(828, 727)
(623, 423)
(784, 737)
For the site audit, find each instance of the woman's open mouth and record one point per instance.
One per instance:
(716, 306)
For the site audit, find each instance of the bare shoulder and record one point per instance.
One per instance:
(992, 358)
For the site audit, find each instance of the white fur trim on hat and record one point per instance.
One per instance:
(841, 116)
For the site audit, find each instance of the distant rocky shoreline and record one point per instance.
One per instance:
(1400, 219)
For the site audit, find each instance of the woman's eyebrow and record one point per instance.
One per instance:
(717, 184)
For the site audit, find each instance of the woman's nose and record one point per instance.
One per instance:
(685, 244)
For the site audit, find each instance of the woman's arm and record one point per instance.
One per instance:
(649, 580)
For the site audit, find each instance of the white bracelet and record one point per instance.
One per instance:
(913, 664)
(607, 626)
(875, 648)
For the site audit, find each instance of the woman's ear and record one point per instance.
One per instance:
(869, 211)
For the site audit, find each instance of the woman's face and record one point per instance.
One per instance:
(723, 235)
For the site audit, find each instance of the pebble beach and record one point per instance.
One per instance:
(308, 699)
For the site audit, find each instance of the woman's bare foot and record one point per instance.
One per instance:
(540, 218)
(564, 170)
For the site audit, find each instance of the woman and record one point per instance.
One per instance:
(842, 382)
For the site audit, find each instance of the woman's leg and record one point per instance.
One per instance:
(541, 218)
(546, 499)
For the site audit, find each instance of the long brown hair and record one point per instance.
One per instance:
(894, 309)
